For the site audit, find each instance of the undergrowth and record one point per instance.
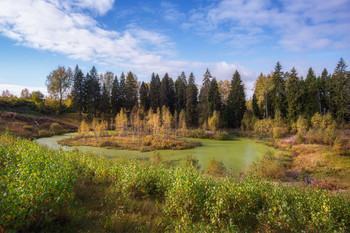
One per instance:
(41, 186)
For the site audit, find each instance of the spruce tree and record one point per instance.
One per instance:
(155, 92)
(279, 88)
(167, 93)
(78, 91)
(214, 98)
(131, 91)
(105, 102)
(293, 96)
(144, 97)
(324, 91)
(340, 96)
(310, 94)
(180, 92)
(115, 97)
(236, 103)
(93, 93)
(203, 97)
(122, 91)
(191, 102)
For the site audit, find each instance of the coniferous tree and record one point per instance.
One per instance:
(155, 92)
(131, 91)
(105, 102)
(203, 97)
(324, 92)
(279, 88)
(214, 98)
(93, 93)
(122, 91)
(255, 106)
(115, 97)
(167, 93)
(180, 92)
(340, 96)
(293, 96)
(79, 91)
(236, 103)
(310, 94)
(191, 102)
(144, 97)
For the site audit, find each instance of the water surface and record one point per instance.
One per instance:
(236, 155)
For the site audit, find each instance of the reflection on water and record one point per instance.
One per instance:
(236, 155)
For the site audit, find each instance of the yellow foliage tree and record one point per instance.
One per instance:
(121, 121)
(83, 130)
(182, 120)
(213, 121)
(167, 120)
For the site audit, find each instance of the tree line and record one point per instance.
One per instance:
(283, 94)
(290, 95)
(107, 94)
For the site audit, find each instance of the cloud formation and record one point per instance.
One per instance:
(299, 24)
(62, 26)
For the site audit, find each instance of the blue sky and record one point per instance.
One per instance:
(169, 36)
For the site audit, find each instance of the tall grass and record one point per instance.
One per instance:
(37, 187)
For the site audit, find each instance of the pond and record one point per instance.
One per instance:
(236, 155)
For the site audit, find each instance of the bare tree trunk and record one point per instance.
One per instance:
(60, 105)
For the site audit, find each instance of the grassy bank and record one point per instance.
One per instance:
(140, 143)
(45, 190)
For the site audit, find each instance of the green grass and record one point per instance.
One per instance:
(45, 190)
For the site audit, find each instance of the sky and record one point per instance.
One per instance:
(251, 36)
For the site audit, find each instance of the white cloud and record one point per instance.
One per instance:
(171, 13)
(62, 26)
(59, 27)
(223, 70)
(298, 24)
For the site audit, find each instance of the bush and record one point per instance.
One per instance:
(263, 128)
(338, 146)
(222, 135)
(56, 128)
(36, 184)
(143, 180)
(329, 135)
(155, 157)
(216, 168)
(192, 162)
(328, 121)
(271, 166)
(315, 136)
(279, 132)
(316, 121)
(44, 133)
(293, 128)
(300, 138)
(302, 125)
(248, 121)
(188, 195)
